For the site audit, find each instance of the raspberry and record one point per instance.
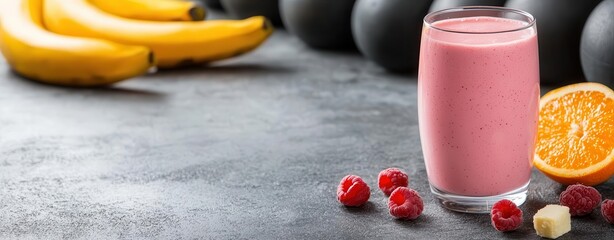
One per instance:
(607, 210)
(580, 199)
(505, 216)
(353, 191)
(390, 179)
(405, 203)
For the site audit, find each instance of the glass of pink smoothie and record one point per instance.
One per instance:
(478, 102)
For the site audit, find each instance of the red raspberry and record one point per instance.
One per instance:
(405, 203)
(580, 199)
(353, 191)
(390, 179)
(505, 216)
(607, 210)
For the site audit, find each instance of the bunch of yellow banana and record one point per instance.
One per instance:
(99, 42)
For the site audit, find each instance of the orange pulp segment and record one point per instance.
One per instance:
(575, 137)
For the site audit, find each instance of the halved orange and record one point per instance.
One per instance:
(575, 136)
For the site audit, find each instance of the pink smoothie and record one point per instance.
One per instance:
(478, 97)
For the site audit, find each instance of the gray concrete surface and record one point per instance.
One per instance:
(251, 148)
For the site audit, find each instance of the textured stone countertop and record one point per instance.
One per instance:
(251, 148)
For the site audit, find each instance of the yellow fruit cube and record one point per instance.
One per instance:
(552, 221)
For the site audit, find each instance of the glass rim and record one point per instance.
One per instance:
(530, 17)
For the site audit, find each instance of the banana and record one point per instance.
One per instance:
(174, 43)
(40, 55)
(154, 10)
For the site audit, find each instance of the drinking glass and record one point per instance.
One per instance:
(478, 103)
